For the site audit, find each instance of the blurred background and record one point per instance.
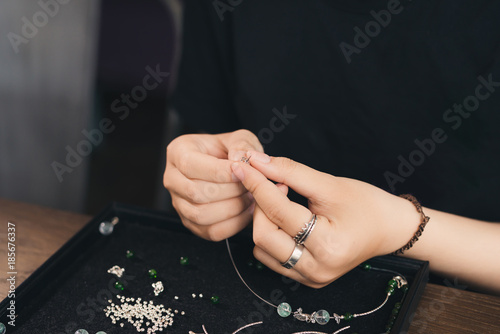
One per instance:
(84, 92)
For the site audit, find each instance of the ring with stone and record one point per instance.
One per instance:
(304, 233)
(294, 258)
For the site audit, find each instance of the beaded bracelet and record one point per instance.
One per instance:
(424, 218)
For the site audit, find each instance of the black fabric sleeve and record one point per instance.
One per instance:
(204, 92)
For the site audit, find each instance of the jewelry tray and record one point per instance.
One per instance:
(71, 289)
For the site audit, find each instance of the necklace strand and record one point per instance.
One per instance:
(322, 317)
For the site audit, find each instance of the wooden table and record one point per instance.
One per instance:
(41, 231)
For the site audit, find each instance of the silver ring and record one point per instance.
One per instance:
(303, 234)
(294, 258)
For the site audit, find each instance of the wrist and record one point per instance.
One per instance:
(405, 226)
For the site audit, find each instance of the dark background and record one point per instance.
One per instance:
(128, 165)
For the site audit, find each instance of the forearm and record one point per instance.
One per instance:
(463, 248)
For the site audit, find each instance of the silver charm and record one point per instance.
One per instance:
(400, 280)
(115, 270)
(302, 316)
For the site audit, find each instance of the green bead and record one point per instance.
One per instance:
(250, 263)
(130, 254)
(81, 331)
(214, 299)
(284, 310)
(397, 305)
(390, 290)
(395, 311)
(392, 283)
(119, 286)
(152, 273)
(348, 316)
(3, 329)
(100, 332)
(405, 288)
(388, 328)
(259, 265)
(184, 261)
(367, 266)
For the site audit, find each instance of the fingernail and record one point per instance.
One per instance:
(259, 156)
(238, 171)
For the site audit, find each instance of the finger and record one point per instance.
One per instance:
(294, 274)
(277, 207)
(283, 188)
(274, 247)
(196, 165)
(304, 180)
(239, 142)
(279, 244)
(211, 213)
(223, 229)
(199, 191)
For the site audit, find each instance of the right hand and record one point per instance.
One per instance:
(210, 200)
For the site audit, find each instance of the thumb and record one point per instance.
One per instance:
(239, 142)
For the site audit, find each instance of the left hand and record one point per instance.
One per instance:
(356, 221)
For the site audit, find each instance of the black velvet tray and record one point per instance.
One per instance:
(73, 287)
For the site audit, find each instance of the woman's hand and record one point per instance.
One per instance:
(210, 200)
(356, 220)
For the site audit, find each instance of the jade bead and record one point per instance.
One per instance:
(405, 288)
(259, 265)
(348, 316)
(250, 263)
(367, 266)
(81, 331)
(397, 305)
(152, 273)
(118, 285)
(184, 261)
(214, 299)
(390, 290)
(395, 311)
(100, 332)
(392, 283)
(3, 329)
(284, 310)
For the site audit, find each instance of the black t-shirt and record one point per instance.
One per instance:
(403, 95)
